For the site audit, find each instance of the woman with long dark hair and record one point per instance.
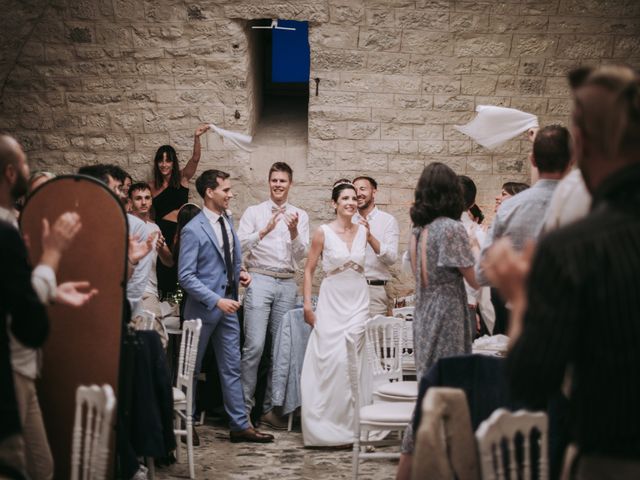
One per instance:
(441, 257)
(170, 190)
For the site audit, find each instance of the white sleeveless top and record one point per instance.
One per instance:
(336, 253)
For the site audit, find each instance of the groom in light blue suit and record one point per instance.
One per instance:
(209, 271)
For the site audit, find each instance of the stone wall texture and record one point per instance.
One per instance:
(86, 81)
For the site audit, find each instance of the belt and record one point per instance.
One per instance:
(271, 273)
(377, 283)
(350, 264)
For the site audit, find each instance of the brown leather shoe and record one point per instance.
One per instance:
(250, 435)
(271, 420)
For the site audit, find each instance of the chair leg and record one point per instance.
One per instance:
(151, 465)
(356, 457)
(177, 425)
(189, 421)
(290, 421)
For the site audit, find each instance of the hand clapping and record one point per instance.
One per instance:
(271, 224)
(61, 233)
(69, 293)
(292, 224)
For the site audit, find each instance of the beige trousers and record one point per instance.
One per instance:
(152, 303)
(36, 454)
(378, 300)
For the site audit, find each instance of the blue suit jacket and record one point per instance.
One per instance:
(201, 269)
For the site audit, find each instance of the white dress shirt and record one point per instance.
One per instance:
(384, 227)
(8, 216)
(276, 250)
(215, 224)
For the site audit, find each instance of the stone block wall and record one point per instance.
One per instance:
(88, 81)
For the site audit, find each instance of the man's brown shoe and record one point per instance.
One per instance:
(271, 420)
(250, 435)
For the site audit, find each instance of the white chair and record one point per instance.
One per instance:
(497, 446)
(377, 416)
(406, 301)
(384, 341)
(91, 432)
(147, 320)
(408, 357)
(183, 391)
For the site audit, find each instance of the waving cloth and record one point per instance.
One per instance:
(240, 140)
(495, 125)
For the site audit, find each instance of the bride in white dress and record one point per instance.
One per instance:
(343, 305)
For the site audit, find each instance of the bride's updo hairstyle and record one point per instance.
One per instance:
(339, 186)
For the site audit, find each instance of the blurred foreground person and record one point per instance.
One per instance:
(577, 318)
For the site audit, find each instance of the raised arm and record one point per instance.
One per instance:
(29, 321)
(317, 243)
(164, 254)
(300, 244)
(249, 232)
(190, 168)
(388, 249)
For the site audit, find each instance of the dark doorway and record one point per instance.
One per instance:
(280, 83)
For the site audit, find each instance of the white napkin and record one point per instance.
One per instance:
(496, 342)
(240, 140)
(495, 125)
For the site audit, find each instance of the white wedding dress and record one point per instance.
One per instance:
(343, 305)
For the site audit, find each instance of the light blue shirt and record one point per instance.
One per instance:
(520, 218)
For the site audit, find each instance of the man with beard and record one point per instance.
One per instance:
(275, 236)
(382, 243)
(24, 326)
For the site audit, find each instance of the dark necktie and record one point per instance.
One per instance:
(231, 285)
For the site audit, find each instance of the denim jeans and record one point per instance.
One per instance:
(266, 301)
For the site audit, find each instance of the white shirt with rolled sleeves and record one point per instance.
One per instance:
(385, 228)
(276, 250)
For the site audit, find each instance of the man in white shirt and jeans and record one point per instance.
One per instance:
(382, 243)
(275, 234)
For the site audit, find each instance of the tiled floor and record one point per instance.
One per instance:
(285, 459)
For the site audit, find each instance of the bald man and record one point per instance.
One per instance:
(24, 449)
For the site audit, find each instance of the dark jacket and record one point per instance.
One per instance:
(29, 323)
(584, 312)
